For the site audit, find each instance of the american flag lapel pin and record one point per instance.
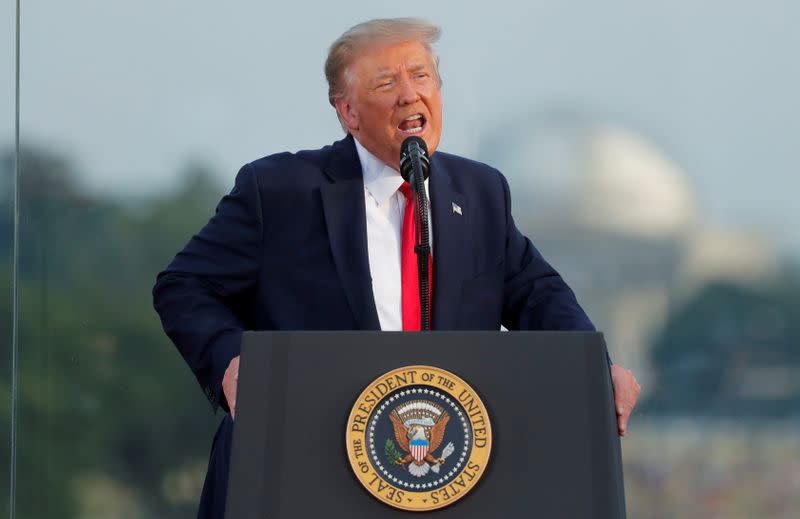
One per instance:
(457, 209)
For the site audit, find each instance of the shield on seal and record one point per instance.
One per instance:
(419, 448)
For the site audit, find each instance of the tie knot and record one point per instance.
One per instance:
(405, 188)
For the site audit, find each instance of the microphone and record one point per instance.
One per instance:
(415, 168)
(414, 159)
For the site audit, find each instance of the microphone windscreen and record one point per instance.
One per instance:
(410, 145)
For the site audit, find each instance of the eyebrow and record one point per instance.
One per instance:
(384, 73)
(389, 72)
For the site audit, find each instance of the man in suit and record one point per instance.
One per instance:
(314, 240)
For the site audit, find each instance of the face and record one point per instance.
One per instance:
(393, 93)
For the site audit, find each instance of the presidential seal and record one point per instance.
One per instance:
(418, 438)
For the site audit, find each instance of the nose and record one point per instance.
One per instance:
(408, 91)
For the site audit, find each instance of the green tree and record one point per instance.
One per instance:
(108, 409)
(732, 351)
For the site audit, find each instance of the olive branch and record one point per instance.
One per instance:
(391, 452)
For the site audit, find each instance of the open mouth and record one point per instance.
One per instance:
(412, 125)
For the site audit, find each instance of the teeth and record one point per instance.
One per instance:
(415, 117)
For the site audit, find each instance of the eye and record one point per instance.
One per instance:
(386, 83)
(421, 75)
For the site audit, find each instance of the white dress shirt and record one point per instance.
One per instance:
(385, 206)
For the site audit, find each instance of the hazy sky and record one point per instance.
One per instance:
(133, 91)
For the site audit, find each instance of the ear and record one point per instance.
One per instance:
(347, 114)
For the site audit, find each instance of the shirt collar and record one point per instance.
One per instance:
(379, 179)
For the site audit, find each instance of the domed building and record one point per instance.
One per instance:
(618, 219)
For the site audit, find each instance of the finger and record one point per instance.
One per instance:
(622, 425)
(622, 415)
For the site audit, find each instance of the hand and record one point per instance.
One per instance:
(626, 391)
(230, 381)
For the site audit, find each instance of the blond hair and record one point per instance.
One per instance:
(367, 34)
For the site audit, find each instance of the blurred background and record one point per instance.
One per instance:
(652, 151)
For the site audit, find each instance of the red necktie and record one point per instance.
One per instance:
(409, 272)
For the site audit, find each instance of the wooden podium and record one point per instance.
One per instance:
(555, 449)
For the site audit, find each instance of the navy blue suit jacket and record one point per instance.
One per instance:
(287, 250)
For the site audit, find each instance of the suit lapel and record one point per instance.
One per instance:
(449, 233)
(345, 218)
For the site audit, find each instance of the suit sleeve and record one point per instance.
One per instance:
(535, 296)
(198, 294)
